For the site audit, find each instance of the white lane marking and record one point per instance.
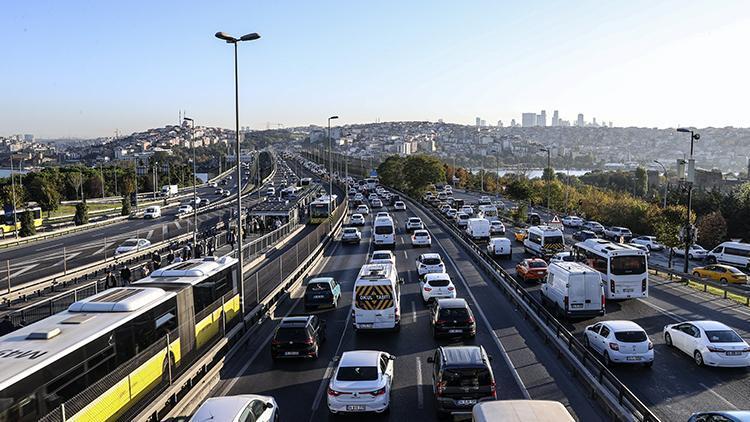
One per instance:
(177, 225)
(718, 396)
(420, 394)
(49, 247)
(405, 255)
(23, 270)
(68, 257)
(150, 233)
(663, 311)
(101, 250)
(486, 322)
(414, 312)
(164, 231)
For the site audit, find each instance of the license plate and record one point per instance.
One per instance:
(465, 402)
(628, 290)
(318, 296)
(355, 408)
(455, 331)
(291, 353)
(576, 305)
(633, 358)
(734, 353)
(365, 325)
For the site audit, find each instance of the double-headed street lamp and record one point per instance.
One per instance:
(330, 164)
(665, 182)
(549, 176)
(195, 192)
(232, 40)
(694, 136)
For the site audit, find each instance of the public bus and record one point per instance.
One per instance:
(12, 221)
(624, 268)
(322, 208)
(104, 353)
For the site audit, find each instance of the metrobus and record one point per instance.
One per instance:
(12, 220)
(624, 268)
(95, 360)
(322, 208)
(305, 181)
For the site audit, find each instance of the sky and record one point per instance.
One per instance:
(87, 68)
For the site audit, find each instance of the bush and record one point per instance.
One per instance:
(125, 206)
(82, 213)
(27, 224)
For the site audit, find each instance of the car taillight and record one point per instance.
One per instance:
(379, 392)
(451, 288)
(614, 346)
(441, 388)
(650, 346)
(275, 342)
(612, 286)
(715, 349)
(396, 315)
(643, 285)
(565, 302)
(493, 389)
(470, 320)
(309, 340)
(334, 393)
(604, 300)
(427, 289)
(440, 321)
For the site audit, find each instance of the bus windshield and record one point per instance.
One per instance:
(623, 265)
(318, 210)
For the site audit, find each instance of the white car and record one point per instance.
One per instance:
(497, 227)
(382, 214)
(562, 257)
(462, 219)
(648, 241)
(572, 221)
(620, 342)
(357, 220)
(362, 209)
(244, 407)
(399, 206)
(709, 343)
(361, 383)
(132, 245)
(500, 246)
(185, 209)
(695, 252)
(359, 197)
(451, 213)
(372, 197)
(213, 184)
(430, 263)
(421, 237)
(226, 194)
(485, 200)
(467, 209)
(351, 235)
(376, 203)
(436, 286)
(383, 257)
(154, 211)
(414, 223)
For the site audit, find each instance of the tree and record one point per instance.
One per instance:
(548, 174)
(641, 182)
(519, 189)
(391, 172)
(27, 224)
(125, 205)
(45, 193)
(667, 225)
(82, 213)
(712, 229)
(7, 197)
(421, 170)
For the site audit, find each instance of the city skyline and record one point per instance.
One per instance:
(653, 66)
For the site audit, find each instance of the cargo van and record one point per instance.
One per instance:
(478, 228)
(575, 289)
(488, 211)
(520, 411)
(384, 233)
(376, 302)
(544, 241)
(732, 253)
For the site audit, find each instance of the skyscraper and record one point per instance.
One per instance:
(478, 121)
(499, 123)
(512, 122)
(580, 123)
(528, 119)
(542, 119)
(555, 118)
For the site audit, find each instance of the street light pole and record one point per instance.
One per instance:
(549, 177)
(231, 40)
(689, 183)
(13, 189)
(195, 191)
(665, 182)
(330, 165)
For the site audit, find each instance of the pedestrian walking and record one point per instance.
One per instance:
(231, 238)
(125, 275)
(110, 281)
(199, 250)
(170, 256)
(156, 259)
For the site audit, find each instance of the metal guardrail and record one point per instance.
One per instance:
(708, 286)
(587, 366)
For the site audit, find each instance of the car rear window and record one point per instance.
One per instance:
(439, 283)
(468, 377)
(631, 336)
(318, 287)
(431, 261)
(357, 373)
(384, 229)
(130, 243)
(537, 264)
(723, 336)
(454, 313)
(291, 334)
(414, 220)
(421, 234)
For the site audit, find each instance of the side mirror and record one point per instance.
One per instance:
(401, 280)
(430, 360)
(391, 357)
(490, 357)
(269, 405)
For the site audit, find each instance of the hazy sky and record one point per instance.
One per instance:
(86, 68)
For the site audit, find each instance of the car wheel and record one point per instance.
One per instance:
(723, 280)
(696, 274)
(648, 247)
(698, 358)
(712, 260)
(649, 364)
(668, 339)
(607, 362)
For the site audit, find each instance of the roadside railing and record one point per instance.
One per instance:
(703, 284)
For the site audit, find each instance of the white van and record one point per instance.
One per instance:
(733, 253)
(544, 241)
(478, 228)
(376, 302)
(520, 411)
(575, 289)
(154, 211)
(500, 246)
(488, 211)
(384, 233)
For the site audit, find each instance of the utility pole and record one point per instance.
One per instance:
(13, 188)
(689, 185)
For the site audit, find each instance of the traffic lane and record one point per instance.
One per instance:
(296, 385)
(537, 365)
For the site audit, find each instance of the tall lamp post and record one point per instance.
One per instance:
(549, 179)
(330, 165)
(195, 191)
(665, 182)
(694, 136)
(232, 40)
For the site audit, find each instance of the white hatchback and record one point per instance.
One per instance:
(382, 256)
(437, 286)
(399, 206)
(363, 209)
(357, 220)
(132, 245)
(620, 342)
(709, 343)
(421, 237)
(361, 383)
(242, 407)
(497, 227)
(430, 263)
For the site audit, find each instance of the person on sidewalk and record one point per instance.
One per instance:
(125, 275)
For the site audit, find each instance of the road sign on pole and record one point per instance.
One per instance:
(555, 222)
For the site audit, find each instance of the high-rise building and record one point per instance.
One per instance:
(580, 123)
(542, 119)
(478, 121)
(528, 119)
(513, 123)
(499, 123)
(482, 123)
(555, 118)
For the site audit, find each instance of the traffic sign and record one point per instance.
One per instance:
(555, 222)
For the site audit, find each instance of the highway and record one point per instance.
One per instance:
(674, 387)
(522, 364)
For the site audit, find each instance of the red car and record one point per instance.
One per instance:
(531, 269)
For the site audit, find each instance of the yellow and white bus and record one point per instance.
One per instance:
(12, 221)
(104, 353)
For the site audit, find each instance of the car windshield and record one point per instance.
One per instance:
(631, 336)
(431, 261)
(439, 282)
(129, 243)
(414, 220)
(454, 313)
(467, 377)
(537, 264)
(318, 287)
(622, 265)
(291, 334)
(357, 373)
(381, 256)
(350, 231)
(723, 336)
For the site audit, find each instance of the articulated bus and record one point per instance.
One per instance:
(322, 208)
(12, 221)
(104, 353)
(624, 268)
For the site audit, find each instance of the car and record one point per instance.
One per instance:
(721, 273)
(226, 194)
(359, 197)
(461, 377)
(373, 196)
(620, 342)
(500, 246)
(421, 237)
(205, 201)
(452, 317)
(213, 184)
(376, 203)
(382, 256)
(531, 269)
(322, 292)
(351, 235)
(484, 200)
(152, 212)
(242, 407)
(443, 207)
(562, 257)
(533, 219)
(361, 382)
(468, 210)
(572, 221)
(132, 245)
(594, 227)
(362, 209)
(413, 223)
(399, 206)
(696, 252)
(462, 219)
(430, 263)
(436, 285)
(618, 234)
(520, 235)
(357, 220)
(451, 213)
(497, 227)
(721, 416)
(709, 343)
(298, 336)
(648, 241)
(382, 214)
(582, 235)
(184, 209)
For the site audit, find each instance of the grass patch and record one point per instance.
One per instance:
(70, 209)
